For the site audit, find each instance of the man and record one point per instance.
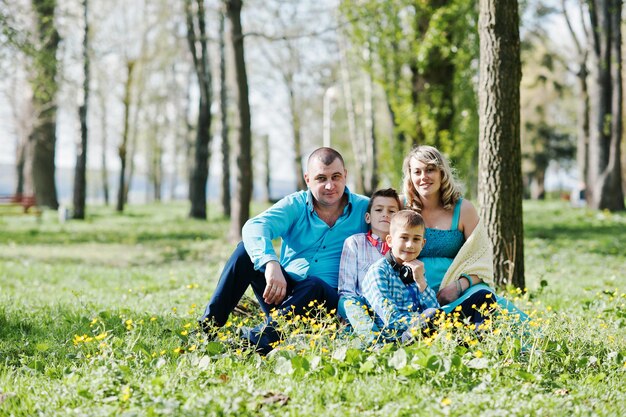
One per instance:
(313, 225)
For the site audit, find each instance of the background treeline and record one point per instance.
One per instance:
(182, 91)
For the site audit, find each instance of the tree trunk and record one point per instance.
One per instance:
(197, 39)
(243, 183)
(42, 140)
(224, 119)
(500, 173)
(104, 173)
(80, 172)
(296, 129)
(357, 150)
(371, 151)
(605, 176)
(267, 171)
(123, 147)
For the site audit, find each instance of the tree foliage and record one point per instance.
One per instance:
(423, 56)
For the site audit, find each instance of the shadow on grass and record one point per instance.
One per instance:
(43, 340)
(600, 239)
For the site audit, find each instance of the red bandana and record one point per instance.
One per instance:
(384, 248)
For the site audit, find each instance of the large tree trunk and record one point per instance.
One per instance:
(80, 172)
(197, 39)
(224, 121)
(243, 183)
(500, 173)
(42, 140)
(605, 176)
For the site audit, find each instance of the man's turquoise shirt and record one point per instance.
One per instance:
(309, 246)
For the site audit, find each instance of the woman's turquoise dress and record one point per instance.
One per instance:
(440, 250)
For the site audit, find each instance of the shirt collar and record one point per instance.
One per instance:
(347, 208)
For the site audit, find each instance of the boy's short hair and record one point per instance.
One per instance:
(406, 219)
(384, 192)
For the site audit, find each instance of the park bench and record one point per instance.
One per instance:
(18, 204)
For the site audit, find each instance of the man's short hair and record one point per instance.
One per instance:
(326, 155)
(384, 192)
(406, 219)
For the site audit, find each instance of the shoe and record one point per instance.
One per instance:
(260, 338)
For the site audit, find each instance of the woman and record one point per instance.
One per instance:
(457, 255)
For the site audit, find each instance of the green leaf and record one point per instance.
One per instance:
(214, 348)
(42, 347)
(435, 363)
(526, 376)
(300, 363)
(399, 359)
(340, 354)
(478, 363)
(283, 366)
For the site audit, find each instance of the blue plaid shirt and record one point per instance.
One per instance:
(397, 305)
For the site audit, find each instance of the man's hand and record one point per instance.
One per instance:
(448, 294)
(275, 284)
(417, 267)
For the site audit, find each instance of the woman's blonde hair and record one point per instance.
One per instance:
(428, 155)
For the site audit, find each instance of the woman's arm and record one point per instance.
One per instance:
(468, 218)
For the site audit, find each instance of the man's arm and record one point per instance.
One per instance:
(258, 232)
(257, 235)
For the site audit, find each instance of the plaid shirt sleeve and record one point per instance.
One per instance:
(378, 286)
(348, 273)
(427, 299)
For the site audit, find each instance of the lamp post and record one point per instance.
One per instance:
(329, 95)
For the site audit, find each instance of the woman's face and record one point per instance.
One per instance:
(425, 178)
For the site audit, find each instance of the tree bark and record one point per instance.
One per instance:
(355, 140)
(500, 174)
(42, 140)
(80, 172)
(104, 173)
(371, 150)
(123, 147)
(605, 176)
(243, 182)
(224, 119)
(197, 39)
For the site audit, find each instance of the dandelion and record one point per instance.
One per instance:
(446, 401)
(184, 333)
(478, 354)
(153, 318)
(192, 348)
(94, 321)
(126, 393)
(177, 350)
(101, 336)
(163, 352)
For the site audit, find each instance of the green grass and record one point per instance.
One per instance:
(97, 318)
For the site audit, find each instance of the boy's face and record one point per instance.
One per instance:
(379, 218)
(406, 242)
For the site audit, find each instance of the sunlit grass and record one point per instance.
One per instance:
(99, 318)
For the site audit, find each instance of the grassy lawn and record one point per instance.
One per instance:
(97, 318)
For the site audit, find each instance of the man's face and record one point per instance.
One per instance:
(406, 243)
(326, 182)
